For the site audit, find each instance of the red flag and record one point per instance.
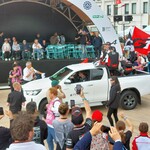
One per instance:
(118, 2)
(141, 41)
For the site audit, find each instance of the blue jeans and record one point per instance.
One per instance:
(50, 138)
(84, 51)
(38, 52)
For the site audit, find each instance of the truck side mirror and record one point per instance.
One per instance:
(67, 81)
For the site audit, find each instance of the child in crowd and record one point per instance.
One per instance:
(16, 99)
(142, 142)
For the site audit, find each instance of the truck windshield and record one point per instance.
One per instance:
(61, 74)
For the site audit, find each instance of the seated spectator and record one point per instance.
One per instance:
(6, 50)
(80, 127)
(62, 39)
(16, 52)
(29, 73)
(5, 136)
(44, 45)
(40, 127)
(25, 50)
(22, 133)
(16, 99)
(84, 143)
(37, 49)
(142, 142)
(139, 64)
(62, 126)
(52, 113)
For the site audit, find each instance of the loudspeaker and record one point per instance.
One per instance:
(117, 18)
(128, 18)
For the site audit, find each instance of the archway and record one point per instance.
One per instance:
(102, 22)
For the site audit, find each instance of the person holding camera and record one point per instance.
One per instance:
(80, 127)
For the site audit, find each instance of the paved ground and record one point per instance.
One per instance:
(139, 114)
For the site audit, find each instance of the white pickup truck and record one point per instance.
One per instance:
(96, 88)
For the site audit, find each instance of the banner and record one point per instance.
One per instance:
(141, 41)
(100, 20)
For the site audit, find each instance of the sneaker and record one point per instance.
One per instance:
(13, 58)
(9, 59)
(6, 59)
(38, 58)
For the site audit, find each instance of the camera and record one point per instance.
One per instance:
(78, 88)
(1, 111)
(72, 103)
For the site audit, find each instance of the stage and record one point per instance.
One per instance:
(47, 66)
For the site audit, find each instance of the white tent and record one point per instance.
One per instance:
(126, 32)
(147, 29)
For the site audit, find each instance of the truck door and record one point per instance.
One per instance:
(99, 79)
(69, 89)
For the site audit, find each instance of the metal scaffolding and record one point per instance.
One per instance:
(55, 5)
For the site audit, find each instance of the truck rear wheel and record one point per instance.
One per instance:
(42, 108)
(128, 100)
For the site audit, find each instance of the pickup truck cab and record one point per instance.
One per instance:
(96, 87)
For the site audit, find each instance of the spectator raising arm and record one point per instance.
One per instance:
(86, 105)
(85, 142)
(127, 121)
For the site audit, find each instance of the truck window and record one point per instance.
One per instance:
(80, 76)
(61, 74)
(97, 74)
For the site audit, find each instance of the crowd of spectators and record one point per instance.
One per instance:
(30, 130)
(14, 50)
(106, 52)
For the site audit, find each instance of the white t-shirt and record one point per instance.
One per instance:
(26, 146)
(36, 46)
(26, 71)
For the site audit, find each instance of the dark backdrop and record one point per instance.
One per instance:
(47, 66)
(24, 20)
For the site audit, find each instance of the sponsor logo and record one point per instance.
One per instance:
(98, 16)
(87, 5)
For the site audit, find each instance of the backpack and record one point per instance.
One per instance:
(99, 142)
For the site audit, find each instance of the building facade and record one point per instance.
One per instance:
(139, 9)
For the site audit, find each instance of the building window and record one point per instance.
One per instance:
(145, 7)
(115, 10)
(126, 9)
(133, 8)
(108, 9)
